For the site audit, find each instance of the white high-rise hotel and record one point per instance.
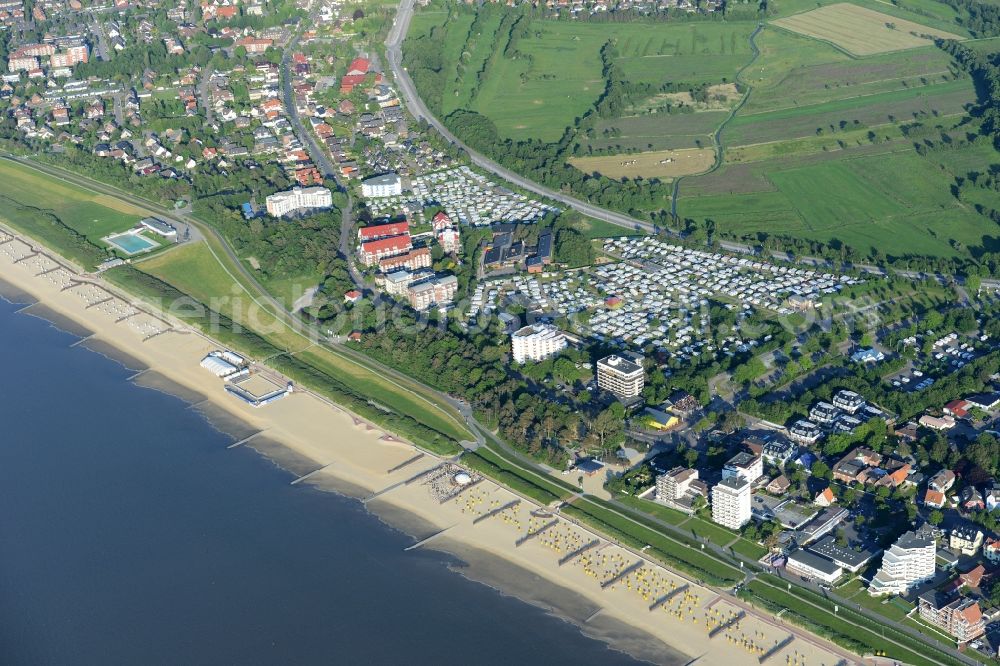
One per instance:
(620, 376)
(298, 199)
(909, 562)
(731, 502)
(536, 343)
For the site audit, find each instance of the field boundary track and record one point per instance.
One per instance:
(717, 135)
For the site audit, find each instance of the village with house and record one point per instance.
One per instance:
(747, 393)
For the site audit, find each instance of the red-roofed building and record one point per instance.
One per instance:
(934, 498)
(974, 577)
(991, 549)
(359, 66)
(376, 250)
(352, 296)
(957, 408)
(441, 221)
(825, 498)
(376, 231)
(349, 82)
(895, 478)
(961, 618)
(309, 176)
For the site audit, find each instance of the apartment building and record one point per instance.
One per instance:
(536, 343)
(731, 502)
(439, 291)
(375, 251)
(745, 466)
(961, 618)
(908, 563)
(387, 185)
(620, 376)
(298, 200)
(413, 260)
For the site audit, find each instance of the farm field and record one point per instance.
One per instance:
(659, 131)
(830, 76)
(865, 204)
(812, 145)
(560, 74)
(861, 31)
(657, 164)
(930, 102)
(931, 13)
(90, 214)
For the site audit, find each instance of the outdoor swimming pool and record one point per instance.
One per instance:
(131, 243)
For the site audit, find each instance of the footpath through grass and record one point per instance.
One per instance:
(845, 627)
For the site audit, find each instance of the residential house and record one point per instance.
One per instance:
(825, 497)
(778, 485)
(965, 539)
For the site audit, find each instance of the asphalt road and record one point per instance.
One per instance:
(418, 109)
(316, 152)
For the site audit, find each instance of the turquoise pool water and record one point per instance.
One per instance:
(131, 244)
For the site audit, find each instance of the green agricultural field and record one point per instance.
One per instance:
(930, 102)
(897, 202)
(660, 131)
(559, 75)
(831, 76)
(930, 13)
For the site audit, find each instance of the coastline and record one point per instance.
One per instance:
(329, 449)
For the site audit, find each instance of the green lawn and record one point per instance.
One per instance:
(664, 513)
(92, 215)
(845, 627)
(193, 270)
(893, 608)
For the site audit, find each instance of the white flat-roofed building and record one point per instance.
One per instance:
(745, 466)
(908, 563)
(218, 366)
(620, 376)
(536, 343)
(298, 200)
(159, 227)
(813, 566)
(386, 185)
(731, 506)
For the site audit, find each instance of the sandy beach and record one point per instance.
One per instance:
(506, 541)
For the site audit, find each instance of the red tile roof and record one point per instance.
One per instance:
(384, 230)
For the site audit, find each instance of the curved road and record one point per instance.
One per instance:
(393, 48)
(280, 310)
